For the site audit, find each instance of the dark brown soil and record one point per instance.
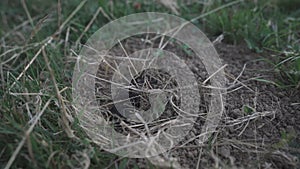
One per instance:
(261, 125)
(270, 140)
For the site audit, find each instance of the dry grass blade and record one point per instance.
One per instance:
(27, 133)
(18, 27)
(220, 69)
(249, 117)
(217, 9)
(219, 39)
(62, 26)
(171, 4)
(37, 27)
(27, 13)
(165, 162)
(65, 121)
(178, 28)
(100, 9)
(48, 41)
(66, 41)
(59, 13)
(199, 158)
(2, 76)
(89, 24)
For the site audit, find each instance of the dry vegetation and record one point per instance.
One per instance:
(257, 41)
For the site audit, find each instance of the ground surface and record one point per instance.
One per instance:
(266, 137)
(40, 42)
(260, 127)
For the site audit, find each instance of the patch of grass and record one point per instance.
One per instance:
(263, 26)
(289, 67)
(47, 146)
(286, 139)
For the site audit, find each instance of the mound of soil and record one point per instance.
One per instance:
(261, 125)
(259, 129)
